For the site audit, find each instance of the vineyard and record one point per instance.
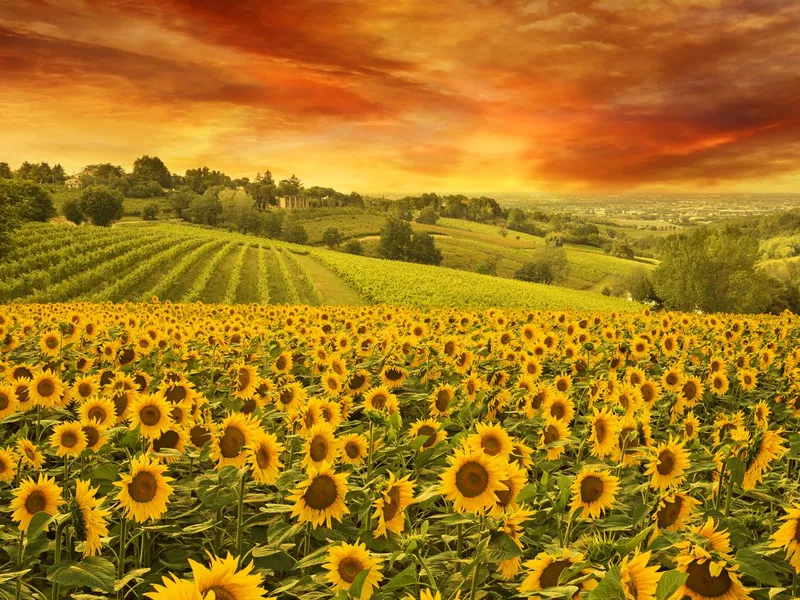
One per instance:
(181, 263)
(216, 452)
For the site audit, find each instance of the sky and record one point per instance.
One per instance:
(406, 96)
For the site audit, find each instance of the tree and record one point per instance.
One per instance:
(640, 286)
(262, 190)
(180, 200)
(549, 264)
(28, 201)
(489, 266)
(199, 180)
(5, 171)
(332, 237)
(353, 247)
(423, 249)
(395, 241)
(104, 171)
(206, 209)
(621, 249)
(71, 209)
(713, 271)
(290, 187)
(428, 216)
(150, 212)
(7, 224)
(152, 168)
(295, 233)
(101, 205)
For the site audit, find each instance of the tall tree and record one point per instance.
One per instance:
(5, 171)
(102, 205)
(152, 168)
(290, 187)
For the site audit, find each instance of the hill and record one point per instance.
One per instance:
(183, 263)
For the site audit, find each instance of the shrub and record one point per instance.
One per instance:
(101, 205)
(150, 212)
(353, 247)
(71, 209)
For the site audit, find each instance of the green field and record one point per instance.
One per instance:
(184, 263)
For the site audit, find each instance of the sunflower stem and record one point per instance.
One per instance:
(57, 557)
(240, 518)
(477, 567)
(729, 497)
(123, 526)
(38, 421)
(459, 544)
(20, 549)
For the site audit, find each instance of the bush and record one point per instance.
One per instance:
(353, 247)
(71, 209)
(101, 205)
(295, 233)
(205, 209)
(27, 201)
(489, 266)
(150, 212)
(331, 237)
(428, 216)
(548, 265)
(423, 250)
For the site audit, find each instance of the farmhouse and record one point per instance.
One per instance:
(292, 202)
(73, 183)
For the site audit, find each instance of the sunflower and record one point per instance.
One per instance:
(151, 413)
(290, 398)
(173, 439)
(761, 414)
(357, 382)
(672, 380)
(332, 383)
(229, 446)
(320, 498)
(8, 401)
(265, 457)
(674, 510)
(788, 537)
(594, 491)
(558, 407)
(8, 464)
(668, 465)
(226, 581)
(32, 497)
(545, 570)
(46, 389)
(331, 412)
(91, 522)
(30, 454)
(95, 435)
(492, 440)
(766, 446)
(718, 383)
(321, 446)
(628, 397)
(393, 376)
(346, 562)
(472, 480)
(441, 400)
(511, 526)
(86, 386)
(605, 429)
(144, 493)
(50, 343)
(68, 439)
(283, 363)
(650, 392)
(354, 449)
(172, 588)
(554, 432)
(748, 380)
(719, 540)
(562, 383)
(515, 479)
(390, 507)
(244, 380)
(638, 580)
(380, 398)
(690, 425)
(711, 576)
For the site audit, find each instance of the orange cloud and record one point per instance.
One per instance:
(400, 97)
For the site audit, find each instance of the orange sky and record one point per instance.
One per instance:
(413, 95)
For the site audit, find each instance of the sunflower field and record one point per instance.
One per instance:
(244, 452)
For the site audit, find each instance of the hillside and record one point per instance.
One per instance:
(183, 263)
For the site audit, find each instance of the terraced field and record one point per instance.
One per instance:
(135, 262)
(182, 263)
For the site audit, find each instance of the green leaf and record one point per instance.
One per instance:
(358, 583)
(753, 565)
(92, 572)
(737, 469)
(669, 584)
(6, 577)
(39, 523)
(502, 547)
(610, 588)
(130, 576)
(215, 496)
(106, 472)
(628, 546)
(405, 578)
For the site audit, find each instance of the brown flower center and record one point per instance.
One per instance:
(321, 493)
(150, 415)
(92, 435)
(442, 400)
(349, 569)
(45, 388)
(168, 439)
(666, 462)
(143, 487)
(558, 410)
(491, 445)
(4, 401)
(669, 513)
(243, 379)
(318, 448)
(472, 479)
(231, 442)
(220, 593)
(591, 489)
(69, 439)
(176, 394)
(551, 434)
(702, 582)
(600, 430)
(199, 435)
(552, 572)
(391, 505)
(352, 450)
(430, 433)
(262, 457)
(35, 502)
